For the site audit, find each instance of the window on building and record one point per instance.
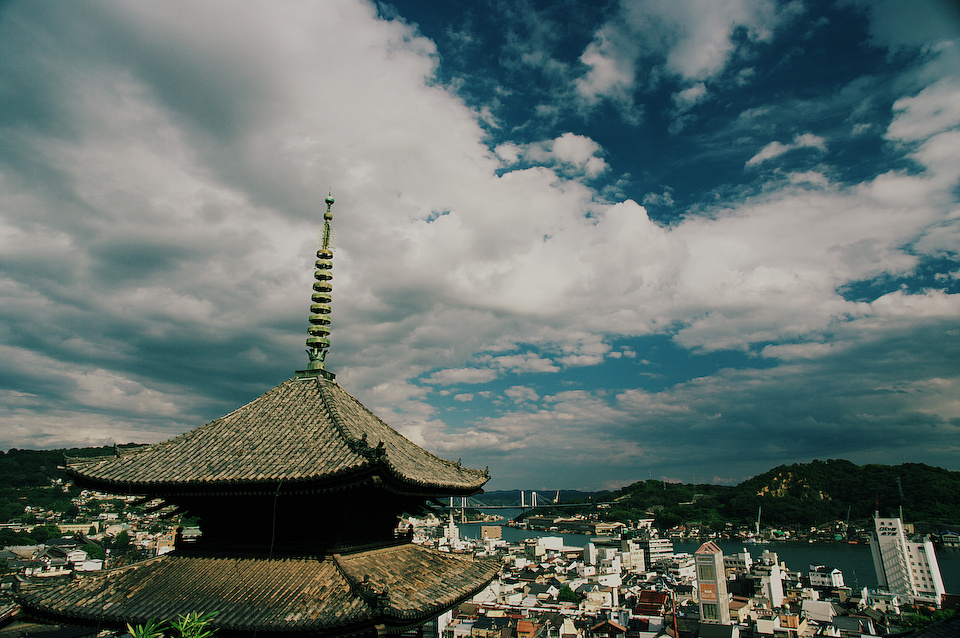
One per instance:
(705, 571)
(710, 612)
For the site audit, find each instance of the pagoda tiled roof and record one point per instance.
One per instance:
(307, 430)
(387, 589)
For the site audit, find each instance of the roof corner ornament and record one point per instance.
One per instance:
(376, 597)
(319, 340)
(367, 451)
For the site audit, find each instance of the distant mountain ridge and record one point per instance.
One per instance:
(802, 493)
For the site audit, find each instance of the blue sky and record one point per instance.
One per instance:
(580, 243)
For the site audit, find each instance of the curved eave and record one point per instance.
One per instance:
(380, 473)
(416, 592)
(406, 461)
(404, 485)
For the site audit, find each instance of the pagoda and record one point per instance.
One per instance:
(299, 495)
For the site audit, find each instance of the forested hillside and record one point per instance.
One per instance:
(28, 477)
(802, 493)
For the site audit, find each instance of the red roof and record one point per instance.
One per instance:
(651, 603)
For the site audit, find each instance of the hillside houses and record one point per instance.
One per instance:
(95, 541)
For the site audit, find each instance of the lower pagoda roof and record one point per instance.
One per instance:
(308, 431)
(376, 592)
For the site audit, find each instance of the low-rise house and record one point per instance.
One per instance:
(164, 544)
(41, 569)
(613, 580)
(459, 628)
(768, 626)
(651, 603)
(825, 576)
(882, 601)
(607, 628)
(597, 597)
(793, 625)
(881, 620)
(822, 611)
(740, 609)
(532, 573)
(90, 565)
(542, 592)
(24, 552)
(492, 627)
(854, 626)
(66, 543)
(644, 627)
(529, 628)
(569, 629)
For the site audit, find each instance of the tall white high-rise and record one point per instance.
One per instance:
(905, 566)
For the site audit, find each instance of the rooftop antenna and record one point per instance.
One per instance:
(319, 340)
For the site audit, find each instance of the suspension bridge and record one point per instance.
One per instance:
(527, 500)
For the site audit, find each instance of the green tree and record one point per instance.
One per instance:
(667, 519)
(121, 542)
(10, 538)
(567, 595)
(42, 533)
(923, 618)
(94, 551)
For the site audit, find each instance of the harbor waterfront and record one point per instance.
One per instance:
(855, 561)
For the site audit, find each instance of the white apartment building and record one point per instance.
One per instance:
(738, 563)
(682, 567)
(825, 576)
(655, 549)
(631, 555)
(768, 582)
(904, 566)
